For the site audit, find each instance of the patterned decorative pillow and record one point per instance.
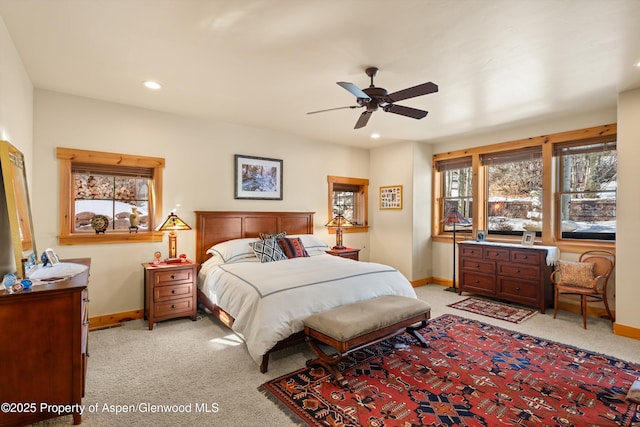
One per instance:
(292, 247)
(268, 250)
(576, 273)
(265, 236)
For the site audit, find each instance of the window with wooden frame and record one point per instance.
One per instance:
(349, 197)
(112, 185)
(562, 186)
(456, 189)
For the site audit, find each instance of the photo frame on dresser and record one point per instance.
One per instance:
(528, 237)
(257, 178)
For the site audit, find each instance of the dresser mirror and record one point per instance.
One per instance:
(18, 254)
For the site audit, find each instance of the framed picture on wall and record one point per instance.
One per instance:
(257, 178)
(391, 197)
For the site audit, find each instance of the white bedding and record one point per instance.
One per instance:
(270, 300)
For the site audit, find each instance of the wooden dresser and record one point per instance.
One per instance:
(513, 273)
(43, 348)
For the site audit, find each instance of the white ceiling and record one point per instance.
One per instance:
(266, 63)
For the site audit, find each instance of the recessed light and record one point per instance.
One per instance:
(149, 84)
(637, 64)
(375, 135)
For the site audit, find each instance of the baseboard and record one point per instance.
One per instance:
(110, 320)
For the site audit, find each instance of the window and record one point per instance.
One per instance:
(514, 191)
(112, 185)
(349, 197)
(587, 173)
(561, 186)
(457, 186)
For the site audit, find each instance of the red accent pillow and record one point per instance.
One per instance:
(292, 247)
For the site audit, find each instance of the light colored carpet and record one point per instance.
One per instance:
(203, 365)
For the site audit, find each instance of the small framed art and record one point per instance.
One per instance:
(391, 197)
(257, 178)
(528, 237)
(481, 235)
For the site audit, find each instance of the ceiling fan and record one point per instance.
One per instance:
(374, 97)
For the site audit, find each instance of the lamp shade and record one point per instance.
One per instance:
(173, 222)
(455, 217)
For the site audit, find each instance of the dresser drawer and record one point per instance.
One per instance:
(470, 251)
(162, 278)
(496, 254)
(519, 271)
(480, 283)
(173, 308)
(165, 293)
(525, 257)
(518, 290)
(478, 265)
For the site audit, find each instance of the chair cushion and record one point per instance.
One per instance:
(576, 273)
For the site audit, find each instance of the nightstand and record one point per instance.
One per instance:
(350, 253)
(169, 291)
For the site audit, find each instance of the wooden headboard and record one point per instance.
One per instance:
(214, 226)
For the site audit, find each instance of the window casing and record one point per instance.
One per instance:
(514, 191)
(457, 190)
(586, 196)
(551, 186)
(93, 182)
(349, 197)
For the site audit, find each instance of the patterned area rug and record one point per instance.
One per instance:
(473, 374)
(497, 310)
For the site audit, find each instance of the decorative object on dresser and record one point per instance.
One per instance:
(510, 272)
(452, 218)
(169, 291)
(528, 237)
(172, 224)
(351, 253)
(44, 346)
(586, 278)
(338, 222)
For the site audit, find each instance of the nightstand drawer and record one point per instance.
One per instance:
(164, 293)
(172, 308)
(174, 276)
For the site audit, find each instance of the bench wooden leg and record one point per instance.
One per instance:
(327, 362)
(413, 330)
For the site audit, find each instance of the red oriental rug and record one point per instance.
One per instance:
(473, 374)
(497, 310)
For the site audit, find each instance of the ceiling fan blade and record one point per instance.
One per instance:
(405, 111)
(363, 120)
(355, 90)
(412, 92)
(337, 108)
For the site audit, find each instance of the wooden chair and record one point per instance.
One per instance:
(594, 289)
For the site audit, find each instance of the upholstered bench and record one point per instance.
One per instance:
(353, 326)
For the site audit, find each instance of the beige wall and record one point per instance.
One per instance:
(198, 176)
(628, 209)
(16, 99)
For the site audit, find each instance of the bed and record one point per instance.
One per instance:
(266, 302)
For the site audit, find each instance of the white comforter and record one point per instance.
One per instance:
(270, 300)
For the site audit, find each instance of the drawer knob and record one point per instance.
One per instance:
(173, 291)
(525, 257)
(173, 306)
(477, 281)
(477, 265)
(173, 277)
(517, 289)
(518, 271)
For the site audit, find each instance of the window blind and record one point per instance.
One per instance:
(453, 164)
(594, 145)
(519, 155)
(112, 170)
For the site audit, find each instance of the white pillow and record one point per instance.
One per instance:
(234, 250)
(312, 244)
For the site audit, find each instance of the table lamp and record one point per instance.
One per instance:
(452, 218)
(338, 222)
(172, 224)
